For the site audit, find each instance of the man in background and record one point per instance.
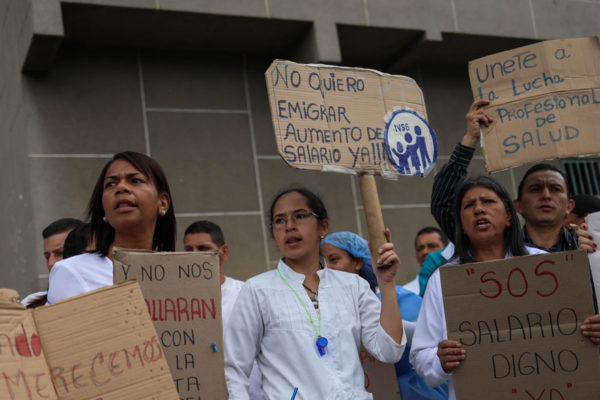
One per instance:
(428, 240)
(54, 240)
(208, 236)
(584, 204)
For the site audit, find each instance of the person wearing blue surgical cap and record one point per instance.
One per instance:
(346, 251)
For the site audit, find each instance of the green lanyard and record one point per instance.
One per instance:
(317, 330)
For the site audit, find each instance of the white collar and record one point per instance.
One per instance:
(292, 275)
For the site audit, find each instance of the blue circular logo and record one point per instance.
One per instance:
(411, 143)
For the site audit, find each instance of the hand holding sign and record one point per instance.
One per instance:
(545, 99)
(351, 120)
(520, 322)
(476, 118)
(387, 256)
(450, 353)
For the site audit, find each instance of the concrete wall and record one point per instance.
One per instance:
(183, 81)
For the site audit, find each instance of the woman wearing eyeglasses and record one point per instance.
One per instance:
(303, 323)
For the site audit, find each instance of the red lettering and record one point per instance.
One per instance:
(367, 381)
(136, 351)
(155, 350)
(112, 367)
(195, 306)
(549, 274)
(9, 342)
(9, 384)
(182, 308)
(38, 388)
(365, 355)
(170, 309)
(93, 370)
(509, 283)
(551, 393)
(56, 373)
(36, 345)
(485, 280)
(535, 398)
(150, 309)
(21, 343)
(75, 378)
(211, 309)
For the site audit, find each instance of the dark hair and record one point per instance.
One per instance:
(61, 226)
(366, 272)
(432, 229)
(38, 301)
(314, 203)
(585, 204)
(165, 229)
(513, 238)
(208, 227)
(77, 240)
(543, 167)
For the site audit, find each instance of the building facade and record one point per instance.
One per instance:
(183, 81)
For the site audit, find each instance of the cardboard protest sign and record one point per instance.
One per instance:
(545, 101)
(23, 367)
(99, 345)
(519, 320)
(182, 293)
(380, 378)
(351, 120)
(345, 119)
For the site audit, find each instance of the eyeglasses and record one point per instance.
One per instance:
(299, 217)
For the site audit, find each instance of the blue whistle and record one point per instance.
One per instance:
(322, 345)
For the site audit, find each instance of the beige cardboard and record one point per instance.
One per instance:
(380, 378)
(339, 123)
(99, 345)
(182, 292)
(550, 295)
(23, 369)
(545, 101)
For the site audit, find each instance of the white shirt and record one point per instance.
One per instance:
(431, 329)
(230, 289)
(79, 274)
(272, 326)
(413, 285)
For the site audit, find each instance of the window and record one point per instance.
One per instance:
(583, 175)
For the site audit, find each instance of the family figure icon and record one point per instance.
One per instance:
(411, 143)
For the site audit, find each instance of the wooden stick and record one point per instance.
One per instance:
(372, 208)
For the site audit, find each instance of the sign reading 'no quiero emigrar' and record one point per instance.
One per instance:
(349, 120)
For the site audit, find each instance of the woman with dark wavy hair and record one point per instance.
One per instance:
(130, 207)
(487, 228)
(484, 239)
